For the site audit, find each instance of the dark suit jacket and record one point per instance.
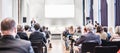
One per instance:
(22, 35)
(89, 37)
(36, 36)
(9, 44)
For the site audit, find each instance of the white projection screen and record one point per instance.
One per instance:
(59, 11)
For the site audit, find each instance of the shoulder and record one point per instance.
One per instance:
(97, 33)
(24, 33)
(115, 35)
(23, 42)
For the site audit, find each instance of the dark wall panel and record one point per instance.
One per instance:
(91, 10)
(117, 11)
(104, 13)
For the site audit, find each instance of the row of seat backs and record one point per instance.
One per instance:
(111, 43)
(39, 46)
(93, 47)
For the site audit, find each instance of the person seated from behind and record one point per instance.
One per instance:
(116, 36)
(43, 31)
(27, 28)
(106, 31)
(9, 43)
(21, 33)
(89, 37)
(78, 31)
(37, 35)
(48, 33)
(101, 33)
(71, 30)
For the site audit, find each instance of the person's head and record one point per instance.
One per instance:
(71, 27)
(46, 28)
(79, 29)
(19, 28)
(89, 28)
(96, 22)
(26, 27)
(43, 28)
(117, 30)
(8, 27)
(110, 30)
(99, 29)
(105, 29)
(37, 26)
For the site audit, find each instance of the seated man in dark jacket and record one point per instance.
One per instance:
(37, 35)
(20, 33)
(9, 43)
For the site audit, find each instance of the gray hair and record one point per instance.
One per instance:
(89, 27)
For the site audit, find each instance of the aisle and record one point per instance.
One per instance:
(57, 47)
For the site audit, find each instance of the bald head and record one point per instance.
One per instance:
(7, 24)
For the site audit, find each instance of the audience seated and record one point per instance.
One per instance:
(101, 33)
(110, 31)
(89, 37)
(43, 31)
(9, 43)
(37, 35)
(27, 28)
(78, 31)
(65, 33)
(48, 33)
(21, 33)
(71, 30)
(106, 31)
(116, 36)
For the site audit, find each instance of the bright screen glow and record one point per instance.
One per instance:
(59, 11)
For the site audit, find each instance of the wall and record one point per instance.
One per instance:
(8, 8)
(0, 9)
(37, 12)
(95, 7)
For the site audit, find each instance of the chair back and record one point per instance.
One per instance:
(104, 42)
(114, 43)
(36, 50)
(41, 47)
(106, 49)
(88, 47)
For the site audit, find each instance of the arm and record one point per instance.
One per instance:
(43, 37)
(26, 36)
(80, 40)
(99, 40)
